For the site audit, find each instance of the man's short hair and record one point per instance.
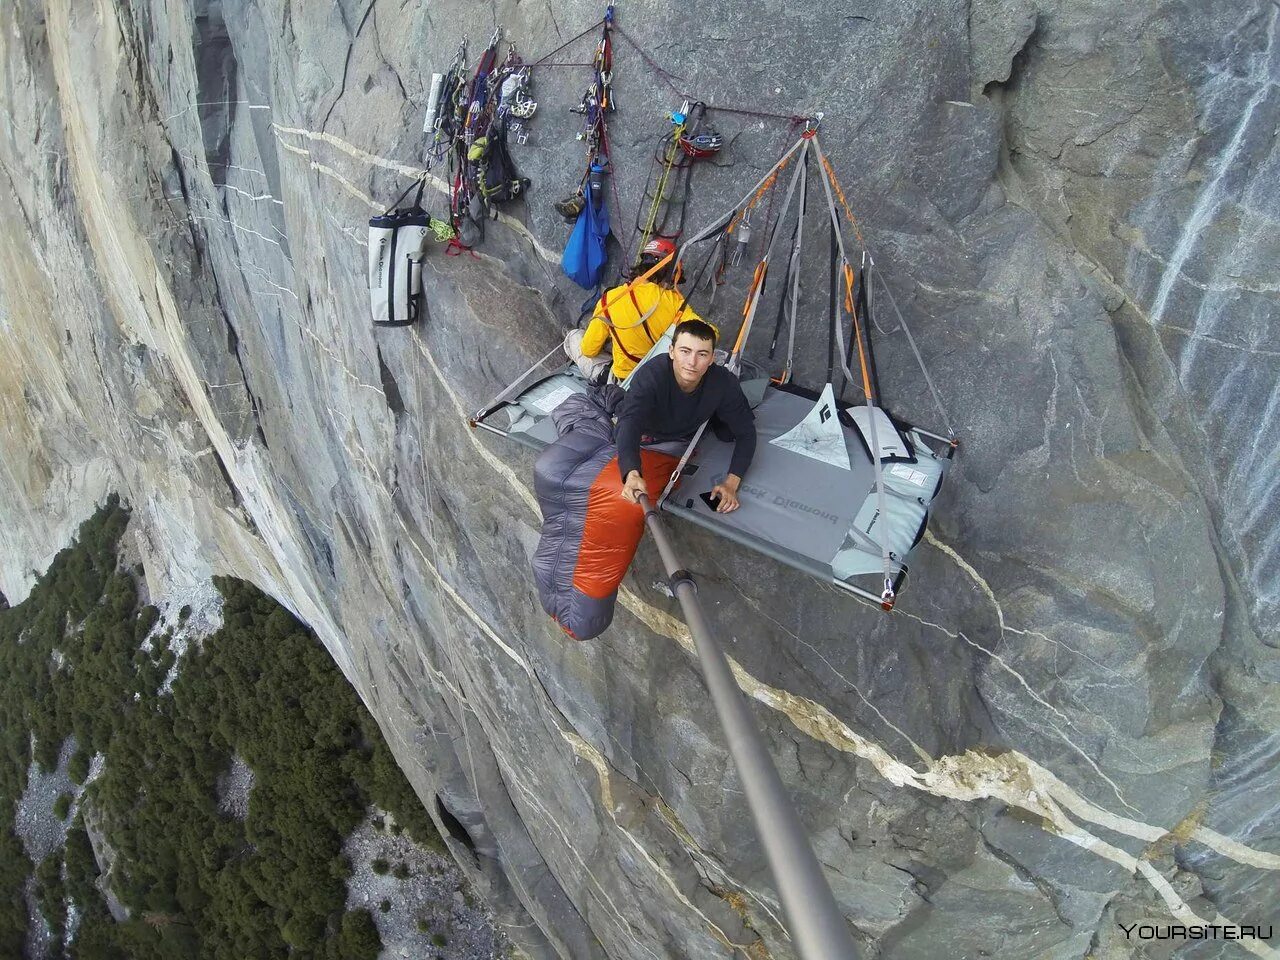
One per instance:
(696, 328)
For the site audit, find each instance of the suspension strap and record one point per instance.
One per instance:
(933, 390)
(887, 594)
(862, 304)
(756, 291)
(833, 308)
(688, 452)
(517, 386)
(794, 266)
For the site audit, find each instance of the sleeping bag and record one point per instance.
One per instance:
(589, 533)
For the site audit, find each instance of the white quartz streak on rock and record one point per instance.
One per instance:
(416, 173)
(347, 185)
(1207, 202)
(142, 302)
(1004, 664)
(501, 468)
(1235, 850)
(1221, 844)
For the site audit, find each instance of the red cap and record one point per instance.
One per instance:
(658, 247)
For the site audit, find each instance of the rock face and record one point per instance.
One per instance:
(1072, 719)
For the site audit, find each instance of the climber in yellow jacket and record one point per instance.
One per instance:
(633, 316)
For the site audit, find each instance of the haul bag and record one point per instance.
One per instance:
(397, 242)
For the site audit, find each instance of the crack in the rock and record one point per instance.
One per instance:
(997, 658)
(342, 87)
(1026, 876)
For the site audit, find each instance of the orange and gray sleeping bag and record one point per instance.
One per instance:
(589, 533)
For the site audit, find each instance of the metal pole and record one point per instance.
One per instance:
(817, 926)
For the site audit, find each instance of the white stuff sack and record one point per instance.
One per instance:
(397, 243)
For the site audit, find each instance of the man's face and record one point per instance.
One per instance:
(690, 358)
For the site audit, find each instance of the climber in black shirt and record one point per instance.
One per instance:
(669, 398)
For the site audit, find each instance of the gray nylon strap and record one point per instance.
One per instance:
(794, 266)
(675, 474)
(881, 503)
(933, 390)
(734, 363)
(516, 387)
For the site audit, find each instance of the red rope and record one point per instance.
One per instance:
(613, 186)
(567, 43)
(668, 77)
(665, 75)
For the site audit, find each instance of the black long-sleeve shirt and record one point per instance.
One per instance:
(655, 406)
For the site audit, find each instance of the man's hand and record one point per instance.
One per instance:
(728, 494)
(634, 487)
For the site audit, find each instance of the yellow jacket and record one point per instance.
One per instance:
(635, 317)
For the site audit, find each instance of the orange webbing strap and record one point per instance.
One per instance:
(835, 184)
(684, 305)
(856, 329)
(752, 294)
(765, 185)
(654, 269)
(761, 189)
(756, 280)
(762, 268)
(626, 290)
